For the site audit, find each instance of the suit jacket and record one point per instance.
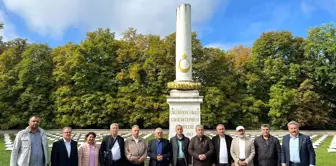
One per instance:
(59, 154)
(105, 157)
(197, 147)
(216, 143)
(267, 154)
(307, 152)
(175, 150)
(166, 152)
(249, 151)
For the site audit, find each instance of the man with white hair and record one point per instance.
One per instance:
(64, 152)
(201, 148)
(111, 152)
(242, 149)
(159, 149)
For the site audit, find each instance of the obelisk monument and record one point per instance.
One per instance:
(184, 100)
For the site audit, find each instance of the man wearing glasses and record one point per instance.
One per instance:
(64, 151)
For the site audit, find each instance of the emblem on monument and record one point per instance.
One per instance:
(184, 64)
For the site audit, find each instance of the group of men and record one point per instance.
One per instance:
(31, 148)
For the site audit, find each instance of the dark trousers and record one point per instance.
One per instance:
(132, 164)
(181, 162)
(117, 163)
(219, 164)
(294, 164)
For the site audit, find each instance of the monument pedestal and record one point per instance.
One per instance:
(185, 110)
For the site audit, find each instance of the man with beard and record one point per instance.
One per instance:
(64, 151)
(267, 148)
(297, 148)
(30, 146)
(201, 148)
(222, 144)
(112, 149)
(242, 149)
(180, 155)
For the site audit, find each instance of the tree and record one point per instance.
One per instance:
(9, 89)
(238, 56)
(35, 83)
(85, 79)
(320, 51)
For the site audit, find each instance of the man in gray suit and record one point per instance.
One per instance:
(297, 148)
(180, 155)
(267, 148)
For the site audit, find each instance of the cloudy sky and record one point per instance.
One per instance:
(218, 23)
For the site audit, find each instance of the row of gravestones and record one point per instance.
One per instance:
(81, 138)
(332, 147)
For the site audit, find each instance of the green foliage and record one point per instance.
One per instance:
(104, 80)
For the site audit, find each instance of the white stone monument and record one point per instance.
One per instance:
(184, 100)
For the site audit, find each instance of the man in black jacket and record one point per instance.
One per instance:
(222, 144)
(64, 151)
(159, 150)
(111, 152)
(201, 148)
(180, 155)
(267, 149)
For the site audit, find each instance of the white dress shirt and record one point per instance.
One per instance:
(223, 156)
(68, 147)
(242, 148)
(116, 150)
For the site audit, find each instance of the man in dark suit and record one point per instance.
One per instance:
(112, 148)
(267, 149)
(159, 150)
(180, 155)
(201, 148)
(297, 148)
(222, 144)
(64, 151)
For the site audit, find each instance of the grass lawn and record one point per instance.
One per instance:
(323, 158)
(4, 155)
